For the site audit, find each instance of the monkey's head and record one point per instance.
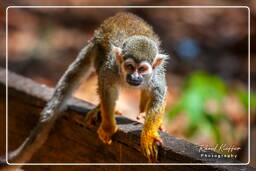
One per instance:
(138, 59)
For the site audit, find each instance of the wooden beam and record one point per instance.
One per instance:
(72, 142)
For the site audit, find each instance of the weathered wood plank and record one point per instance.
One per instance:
(71, 142)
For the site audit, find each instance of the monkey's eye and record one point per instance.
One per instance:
(142, 69)
(129, 67)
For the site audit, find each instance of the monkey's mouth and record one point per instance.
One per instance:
(134, 83)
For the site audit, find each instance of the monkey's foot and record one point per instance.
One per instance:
(106, 132)
(149, 146)
(117, 112)
(92, 116)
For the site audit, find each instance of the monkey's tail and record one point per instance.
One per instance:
(80, 68)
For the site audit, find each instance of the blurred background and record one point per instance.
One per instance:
(207, 74)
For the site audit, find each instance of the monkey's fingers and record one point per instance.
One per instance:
(158, 141)
(141, 115)
(149, 147)
(161, 128)
(106, 135)
(105, 139)
(150, 151)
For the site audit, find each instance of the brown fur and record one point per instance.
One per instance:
(116, 29)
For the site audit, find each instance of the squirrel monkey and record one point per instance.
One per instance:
(124, 52)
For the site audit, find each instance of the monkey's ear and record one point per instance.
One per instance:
(159, 59)
(118, 54)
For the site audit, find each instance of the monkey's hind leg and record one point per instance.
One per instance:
(92, 116)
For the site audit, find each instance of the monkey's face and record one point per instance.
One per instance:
(136, 73)
(137, 60)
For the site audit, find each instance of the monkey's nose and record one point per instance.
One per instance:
(134, 79)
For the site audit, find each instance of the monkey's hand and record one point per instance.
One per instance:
(149, 145)
(106, 131)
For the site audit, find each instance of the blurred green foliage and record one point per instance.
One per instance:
(199, 89)
(202, 101)
(243, 97)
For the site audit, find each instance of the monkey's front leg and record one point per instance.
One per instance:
(150, 138)
(107, 107)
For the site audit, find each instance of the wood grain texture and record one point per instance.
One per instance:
(72, 142)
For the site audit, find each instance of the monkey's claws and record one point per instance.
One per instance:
(106, 132)
(149, 146)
